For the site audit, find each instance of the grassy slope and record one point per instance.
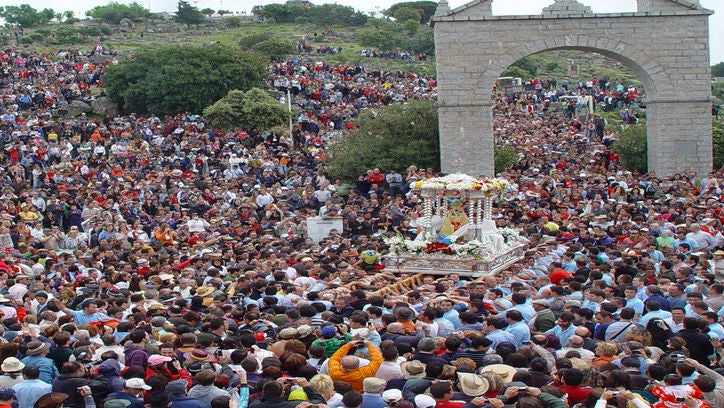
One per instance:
(550, 64)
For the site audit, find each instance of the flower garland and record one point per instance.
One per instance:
(462, 182)
(475, 248)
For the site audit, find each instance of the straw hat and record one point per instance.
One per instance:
(413, 369)
(504, 371)
(204, 291)
(473, 385)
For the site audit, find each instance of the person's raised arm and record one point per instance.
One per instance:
(61, 306)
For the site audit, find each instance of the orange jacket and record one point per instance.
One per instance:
(354, 377)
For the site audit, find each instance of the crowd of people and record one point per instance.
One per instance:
(152, 261)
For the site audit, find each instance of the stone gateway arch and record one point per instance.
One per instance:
(665, 42)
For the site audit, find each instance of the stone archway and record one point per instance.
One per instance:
(665, 42)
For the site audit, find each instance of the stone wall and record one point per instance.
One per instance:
(667, 49)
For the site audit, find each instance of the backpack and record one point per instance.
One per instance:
(660, 332)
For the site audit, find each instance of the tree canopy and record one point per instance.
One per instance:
(188, 14)
(26, 16)
(390, 35)
(323, 15)
(393, 137)
(174, 79)
(423, 9)
(718, 70)
(250, 110)
(113, 12)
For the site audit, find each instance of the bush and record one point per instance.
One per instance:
(505, 157)
(275, 48)
(718, 143)
(393, 137)
(248, 42)
(631, 147)
(232, 22)
(174, 79)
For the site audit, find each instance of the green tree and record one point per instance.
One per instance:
(329, 14)
(717, 89)
(505, 157)
(718, 143)
(173, 79)
(113, 12)
(426, 9)
(232, 22)
(411, 27)
(515, 72)
(278, 13)
(274, 48)
(393, 137)
(251, 110)
(26, 16)
(632, 148)
(403, 14)
(188, 14)
(718, 70)
(207, 11)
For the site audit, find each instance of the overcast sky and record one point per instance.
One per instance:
(500, 7)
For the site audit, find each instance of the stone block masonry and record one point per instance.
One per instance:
(665, 43)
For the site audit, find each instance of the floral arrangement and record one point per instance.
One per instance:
(509, 235)
(462, 182)
(474, 248)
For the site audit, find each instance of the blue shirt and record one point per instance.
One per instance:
(636, 304)
(29, 391)
(526, 310)
(661, 314)
(498, 336)
(82, 318)
(563, 335)
(521, 332)
(452, 316)
(46, 366)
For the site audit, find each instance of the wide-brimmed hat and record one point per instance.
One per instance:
(413, 369)
(473, 385)
(504, 371)
(718, 252)
(204, 291)
(12, 365)
(52, 400)
(36, 348)
(198, 355)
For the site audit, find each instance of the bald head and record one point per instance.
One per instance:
(583, 332)
(396, 328)
(349, 363)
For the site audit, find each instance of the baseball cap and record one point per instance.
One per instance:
(157, 359)
(137, 383)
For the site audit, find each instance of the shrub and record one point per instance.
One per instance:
(631, 147)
